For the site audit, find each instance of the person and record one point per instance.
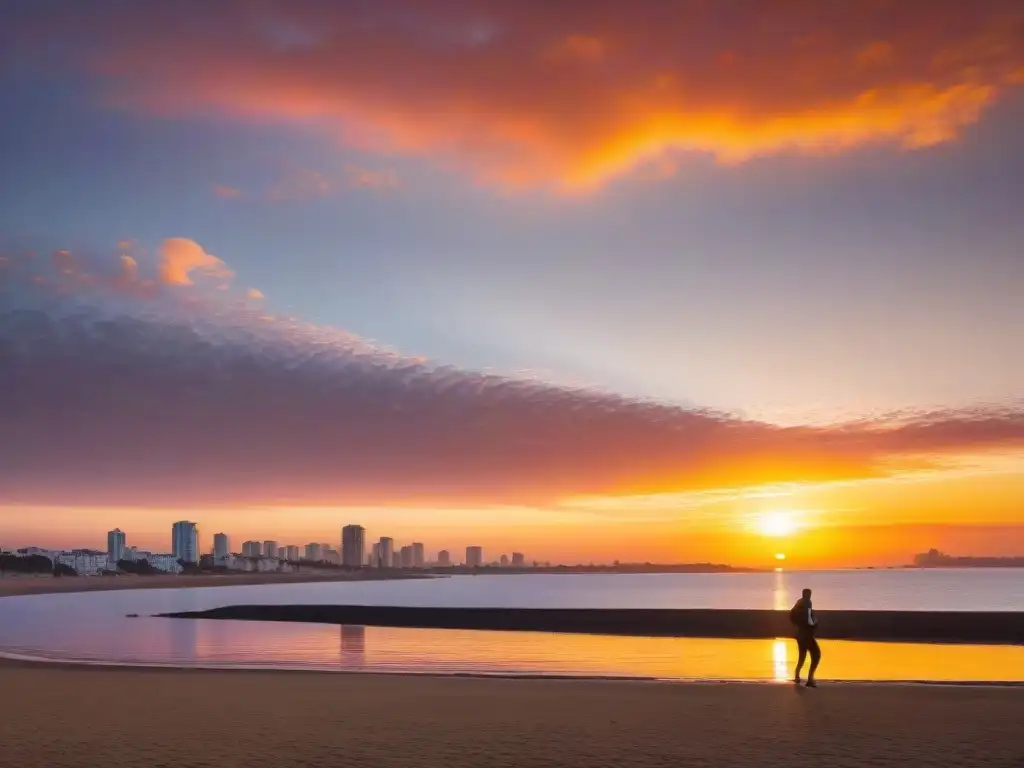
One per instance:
(801, 615)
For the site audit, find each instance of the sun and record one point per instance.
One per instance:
(776, 524)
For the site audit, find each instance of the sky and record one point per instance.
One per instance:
(714, 281)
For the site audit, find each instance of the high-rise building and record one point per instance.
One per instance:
(375, 556)
(270, 548)
(443, 558)
(396, 559)
(353, 545)
(406, 557)
(185, 541)
(314, 552)
(115, 546)
(518, 560)
(504, 561)
(474, 556)
(291, 553)
(387, 551)
(130, 554)
(252, 549)
(418, 557)
(221, 546)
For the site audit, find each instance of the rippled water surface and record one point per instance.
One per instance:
(93, 627)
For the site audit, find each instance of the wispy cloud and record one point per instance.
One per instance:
(143, 397)
(384, 180)
(569, 97)
(226, 190)
(301, 184)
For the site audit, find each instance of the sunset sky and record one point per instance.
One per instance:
(591, 280)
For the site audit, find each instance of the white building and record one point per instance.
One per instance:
(353, 545)
(474, 556)
(252, 549)
(270, 548)
(291, 553)
(131, 554)
(185, 541)
(221, 546)
(115, 546)
(85, 562)
(314, 553)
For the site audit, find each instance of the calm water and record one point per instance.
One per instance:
(92, 627)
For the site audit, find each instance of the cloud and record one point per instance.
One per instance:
(301, 184)
(378, 181)
(114, 398)
(255, 294)
(565, 96)
(180, 258)
(225, 190)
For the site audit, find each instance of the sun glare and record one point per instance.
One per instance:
(776, 524)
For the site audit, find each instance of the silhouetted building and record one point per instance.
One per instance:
(503, 562)
(474, 556)
(406, 557)
(291, 553)
(353, 545)
(518, 560)
(419, 558)
(387, 551)
(444, 559)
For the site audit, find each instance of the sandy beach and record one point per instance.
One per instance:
(65, 716)
(42, 585)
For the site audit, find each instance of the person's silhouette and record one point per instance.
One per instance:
(801, 615)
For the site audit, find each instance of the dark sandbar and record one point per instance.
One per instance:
(994, 628)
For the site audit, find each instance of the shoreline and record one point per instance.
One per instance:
(18, 661)
(20, 586)
(950, 627)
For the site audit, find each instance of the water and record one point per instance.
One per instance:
(91, 627)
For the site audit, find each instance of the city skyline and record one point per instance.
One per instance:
(729, 282)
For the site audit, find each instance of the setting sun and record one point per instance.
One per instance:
(776, 524)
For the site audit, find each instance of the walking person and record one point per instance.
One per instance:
(801, 615)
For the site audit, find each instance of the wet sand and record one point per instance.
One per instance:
(27, 585)
(65, 716)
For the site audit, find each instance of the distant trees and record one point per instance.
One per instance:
(59, 569)
(140, 567)
(29, 564)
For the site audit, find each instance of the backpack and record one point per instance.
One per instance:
(798, 614)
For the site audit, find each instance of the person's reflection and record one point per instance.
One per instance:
(353, 645)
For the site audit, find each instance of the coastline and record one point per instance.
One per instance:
(51, 718)
(951, 627)
(17, 586)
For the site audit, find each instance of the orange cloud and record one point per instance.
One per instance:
(224, 190)
(570, 97)
(181, 257)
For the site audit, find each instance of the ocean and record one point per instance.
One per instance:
(92, 627)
